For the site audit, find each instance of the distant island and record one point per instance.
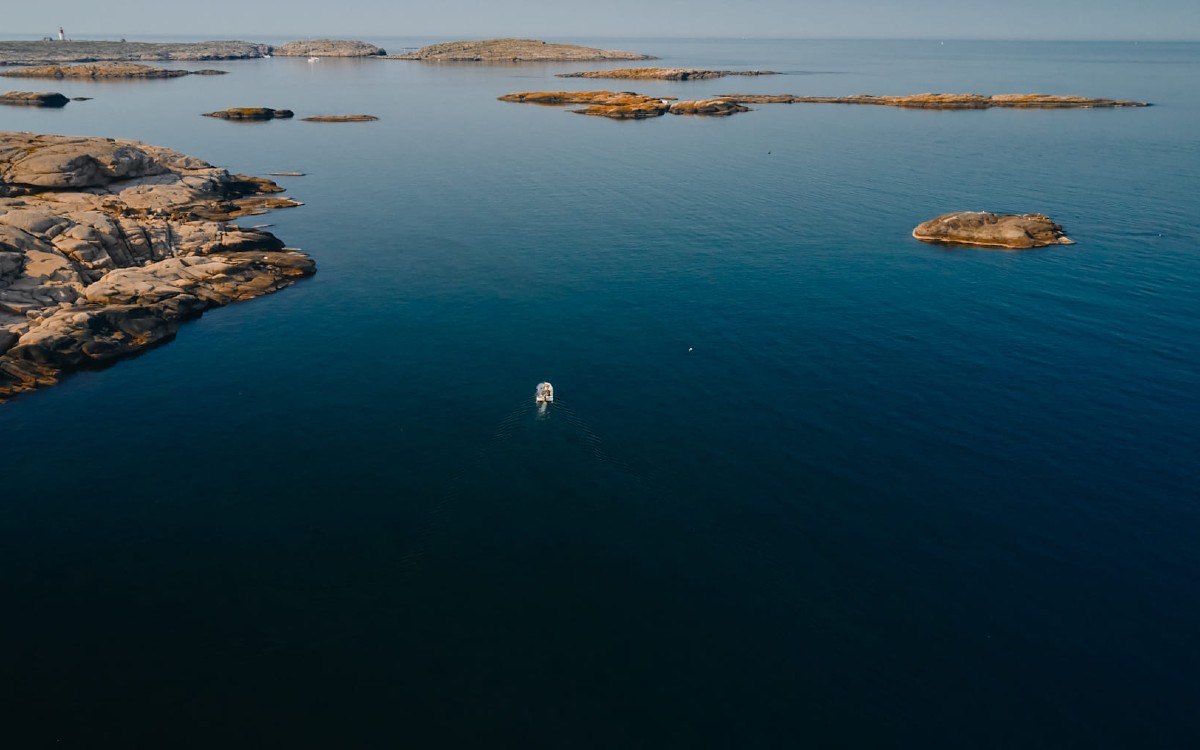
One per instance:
(942, 101)
(106, 246)
(328, 48)
(665, 74)
(51, 52)
(514, 50)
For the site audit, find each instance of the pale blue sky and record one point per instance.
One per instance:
(549, 19)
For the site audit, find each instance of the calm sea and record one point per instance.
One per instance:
(808, 482)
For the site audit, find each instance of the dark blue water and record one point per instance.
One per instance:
(809, 481)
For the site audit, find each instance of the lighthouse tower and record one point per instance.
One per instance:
(62, 35)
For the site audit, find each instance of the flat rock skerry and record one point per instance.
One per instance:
(95, 71)
(1012, 231)
(340, 118)
(665, 74)
(34, 99)
(626, 105)
(251, 113)
(514, 50)
(943, 101)
(106, 246)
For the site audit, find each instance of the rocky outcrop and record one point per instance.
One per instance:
(942, 101)
(107, 245)
(665, 74)
(621, 105)
(340, 118)
(626, 105)
(93, 71)
(514, 50)
(328, 48)
(252, 113)
(1013, 231)
(34, 99)
(46, 52)
(708, 107)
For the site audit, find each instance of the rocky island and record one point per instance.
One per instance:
(51, 52)
(942, 101)
(665, 74)
(514, 50)
(106, 246)
(328, 48)
(625, 105)
(251, 113)
(34, 99)
(1012, 231)
(98, 71)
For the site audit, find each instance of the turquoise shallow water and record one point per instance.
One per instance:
(809, 480)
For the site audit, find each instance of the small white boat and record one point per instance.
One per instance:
(544, 394)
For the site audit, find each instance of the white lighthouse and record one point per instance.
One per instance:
(62, 35)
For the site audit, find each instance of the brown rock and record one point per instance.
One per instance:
(1013, 231)
(34, 99)
(708, 107)
(251, 113)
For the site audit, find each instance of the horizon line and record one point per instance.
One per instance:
(103, 36)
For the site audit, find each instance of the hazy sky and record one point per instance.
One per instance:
(455, 19)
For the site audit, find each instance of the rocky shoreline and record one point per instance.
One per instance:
(106, 246)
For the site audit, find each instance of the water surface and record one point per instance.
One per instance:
(809, 481)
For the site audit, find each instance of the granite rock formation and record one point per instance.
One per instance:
(107, 245)
(34, 99)
(942, 101)
(514, 50)
(1012, 231)
(665, 74)
(328, 48)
